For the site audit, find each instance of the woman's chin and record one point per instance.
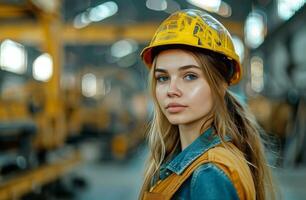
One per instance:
(177, 121)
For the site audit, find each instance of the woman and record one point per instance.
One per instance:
(203, 143)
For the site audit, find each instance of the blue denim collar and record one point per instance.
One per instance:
(184, 158)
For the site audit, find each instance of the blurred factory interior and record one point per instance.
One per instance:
(74, 105)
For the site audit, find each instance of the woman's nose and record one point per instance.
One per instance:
(173, 89)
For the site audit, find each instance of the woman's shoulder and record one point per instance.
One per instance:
(227, 154)
(211, 173)
(212, 181)
(228, 163)
(230, 160)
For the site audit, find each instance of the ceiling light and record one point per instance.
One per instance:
(103, 11)
(255, 29)
(13, 57)
(225, 10)
(81, 21)
(43, 67)
(157, 5)
(89, 85)
(123, 48)
(209, 5)
(257, 74)
(95, 14)
(287, 8)
(47, 6)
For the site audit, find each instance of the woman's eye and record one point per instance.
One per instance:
(190, 77)
(162, 78)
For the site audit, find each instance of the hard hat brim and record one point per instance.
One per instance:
(147, 58)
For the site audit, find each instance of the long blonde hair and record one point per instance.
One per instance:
(230, 118)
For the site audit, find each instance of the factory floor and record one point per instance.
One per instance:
(110, 180)
(117, 180)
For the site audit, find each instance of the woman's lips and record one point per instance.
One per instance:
(175, 107)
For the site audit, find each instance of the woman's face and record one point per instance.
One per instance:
(182, 91)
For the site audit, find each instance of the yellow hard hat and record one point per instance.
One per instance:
(197, 29)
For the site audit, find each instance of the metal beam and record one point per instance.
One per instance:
(95, 33)
(22, 32)
(108, 33)
(9, 11)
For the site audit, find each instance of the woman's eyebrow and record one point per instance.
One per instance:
(188, 67)
(160, 70)
(182, 68)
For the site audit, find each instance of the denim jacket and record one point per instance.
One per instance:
(208, 181)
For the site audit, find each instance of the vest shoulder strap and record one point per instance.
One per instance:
(165, 189)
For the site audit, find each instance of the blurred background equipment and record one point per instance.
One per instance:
(74, 105)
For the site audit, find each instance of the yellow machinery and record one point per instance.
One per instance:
(36, 111)
(50, 113)
(51, 121)
(119, 122)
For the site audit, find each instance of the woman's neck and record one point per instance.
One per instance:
(190, 132)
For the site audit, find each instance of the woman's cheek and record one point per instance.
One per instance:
(159, 95)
